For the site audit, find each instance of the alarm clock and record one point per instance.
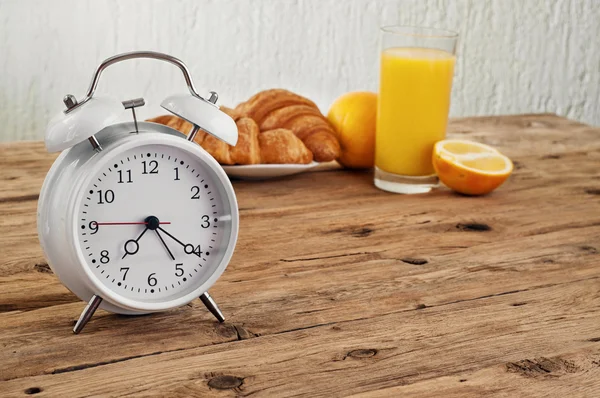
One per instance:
(134, 217)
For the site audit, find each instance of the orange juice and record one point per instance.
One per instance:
(412, 114)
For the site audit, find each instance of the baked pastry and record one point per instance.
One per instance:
(282, 146)
(232, 113)
(278, 146)
(265, 102)
(310, 126)
(246, 151)
(175, 123)
(274, 126)
(278, 108)
(217, 148)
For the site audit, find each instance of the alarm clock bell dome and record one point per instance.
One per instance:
(80, 123)
(204, 115)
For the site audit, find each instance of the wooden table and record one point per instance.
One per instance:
(337, 288)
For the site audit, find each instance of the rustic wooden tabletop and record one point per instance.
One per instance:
(337, 288)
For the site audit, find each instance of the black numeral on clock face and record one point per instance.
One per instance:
(126, 269)
(189, 249)
(178, 270)
(150, 167)
(152, 281)
(104, 259)
(195, 192)
(127, 177)
(205, 221)
(176, 174)
(107, 196)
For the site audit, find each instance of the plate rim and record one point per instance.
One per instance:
(270, 166)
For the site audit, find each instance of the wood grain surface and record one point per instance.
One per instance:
(337, 288)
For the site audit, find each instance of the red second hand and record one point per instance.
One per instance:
(129, 223)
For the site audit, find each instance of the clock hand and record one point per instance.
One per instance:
(151, 222)
(134, 242)
(172, 237)
(180, 242)
(164, 244)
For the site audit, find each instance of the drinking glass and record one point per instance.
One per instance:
(417, 66)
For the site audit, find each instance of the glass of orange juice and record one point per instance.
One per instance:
(417, 66)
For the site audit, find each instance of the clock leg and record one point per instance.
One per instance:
(212, 306)
(87, 313)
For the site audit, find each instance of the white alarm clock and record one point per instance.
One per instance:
(135, 217)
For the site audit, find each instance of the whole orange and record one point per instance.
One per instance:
(353, 116)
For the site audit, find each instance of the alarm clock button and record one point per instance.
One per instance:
(203, 114)
(69, 129)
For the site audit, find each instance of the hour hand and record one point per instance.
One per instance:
(132, 246)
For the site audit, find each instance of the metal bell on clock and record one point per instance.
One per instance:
(80, 122)
(203, 114)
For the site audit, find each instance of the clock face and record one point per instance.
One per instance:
(154, 223)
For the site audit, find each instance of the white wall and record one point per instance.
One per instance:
(515, 56)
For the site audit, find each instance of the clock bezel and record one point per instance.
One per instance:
(107, 155)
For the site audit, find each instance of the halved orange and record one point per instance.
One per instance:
(469, 167)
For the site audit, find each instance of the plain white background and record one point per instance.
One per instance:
(514, 56)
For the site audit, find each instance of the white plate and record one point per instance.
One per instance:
(265, 171)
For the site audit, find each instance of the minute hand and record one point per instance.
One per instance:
(178, 241)
(165, 245)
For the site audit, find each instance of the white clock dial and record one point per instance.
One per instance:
(153, 224)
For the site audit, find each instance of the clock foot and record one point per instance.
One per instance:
(87, 313)
(212, 306)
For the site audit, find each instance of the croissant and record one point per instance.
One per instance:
(264, 102)
(278, 108)
(310, 126)
(278, 146)
(247, 150)
(282, 146)
(174, 122)
(232, 113)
